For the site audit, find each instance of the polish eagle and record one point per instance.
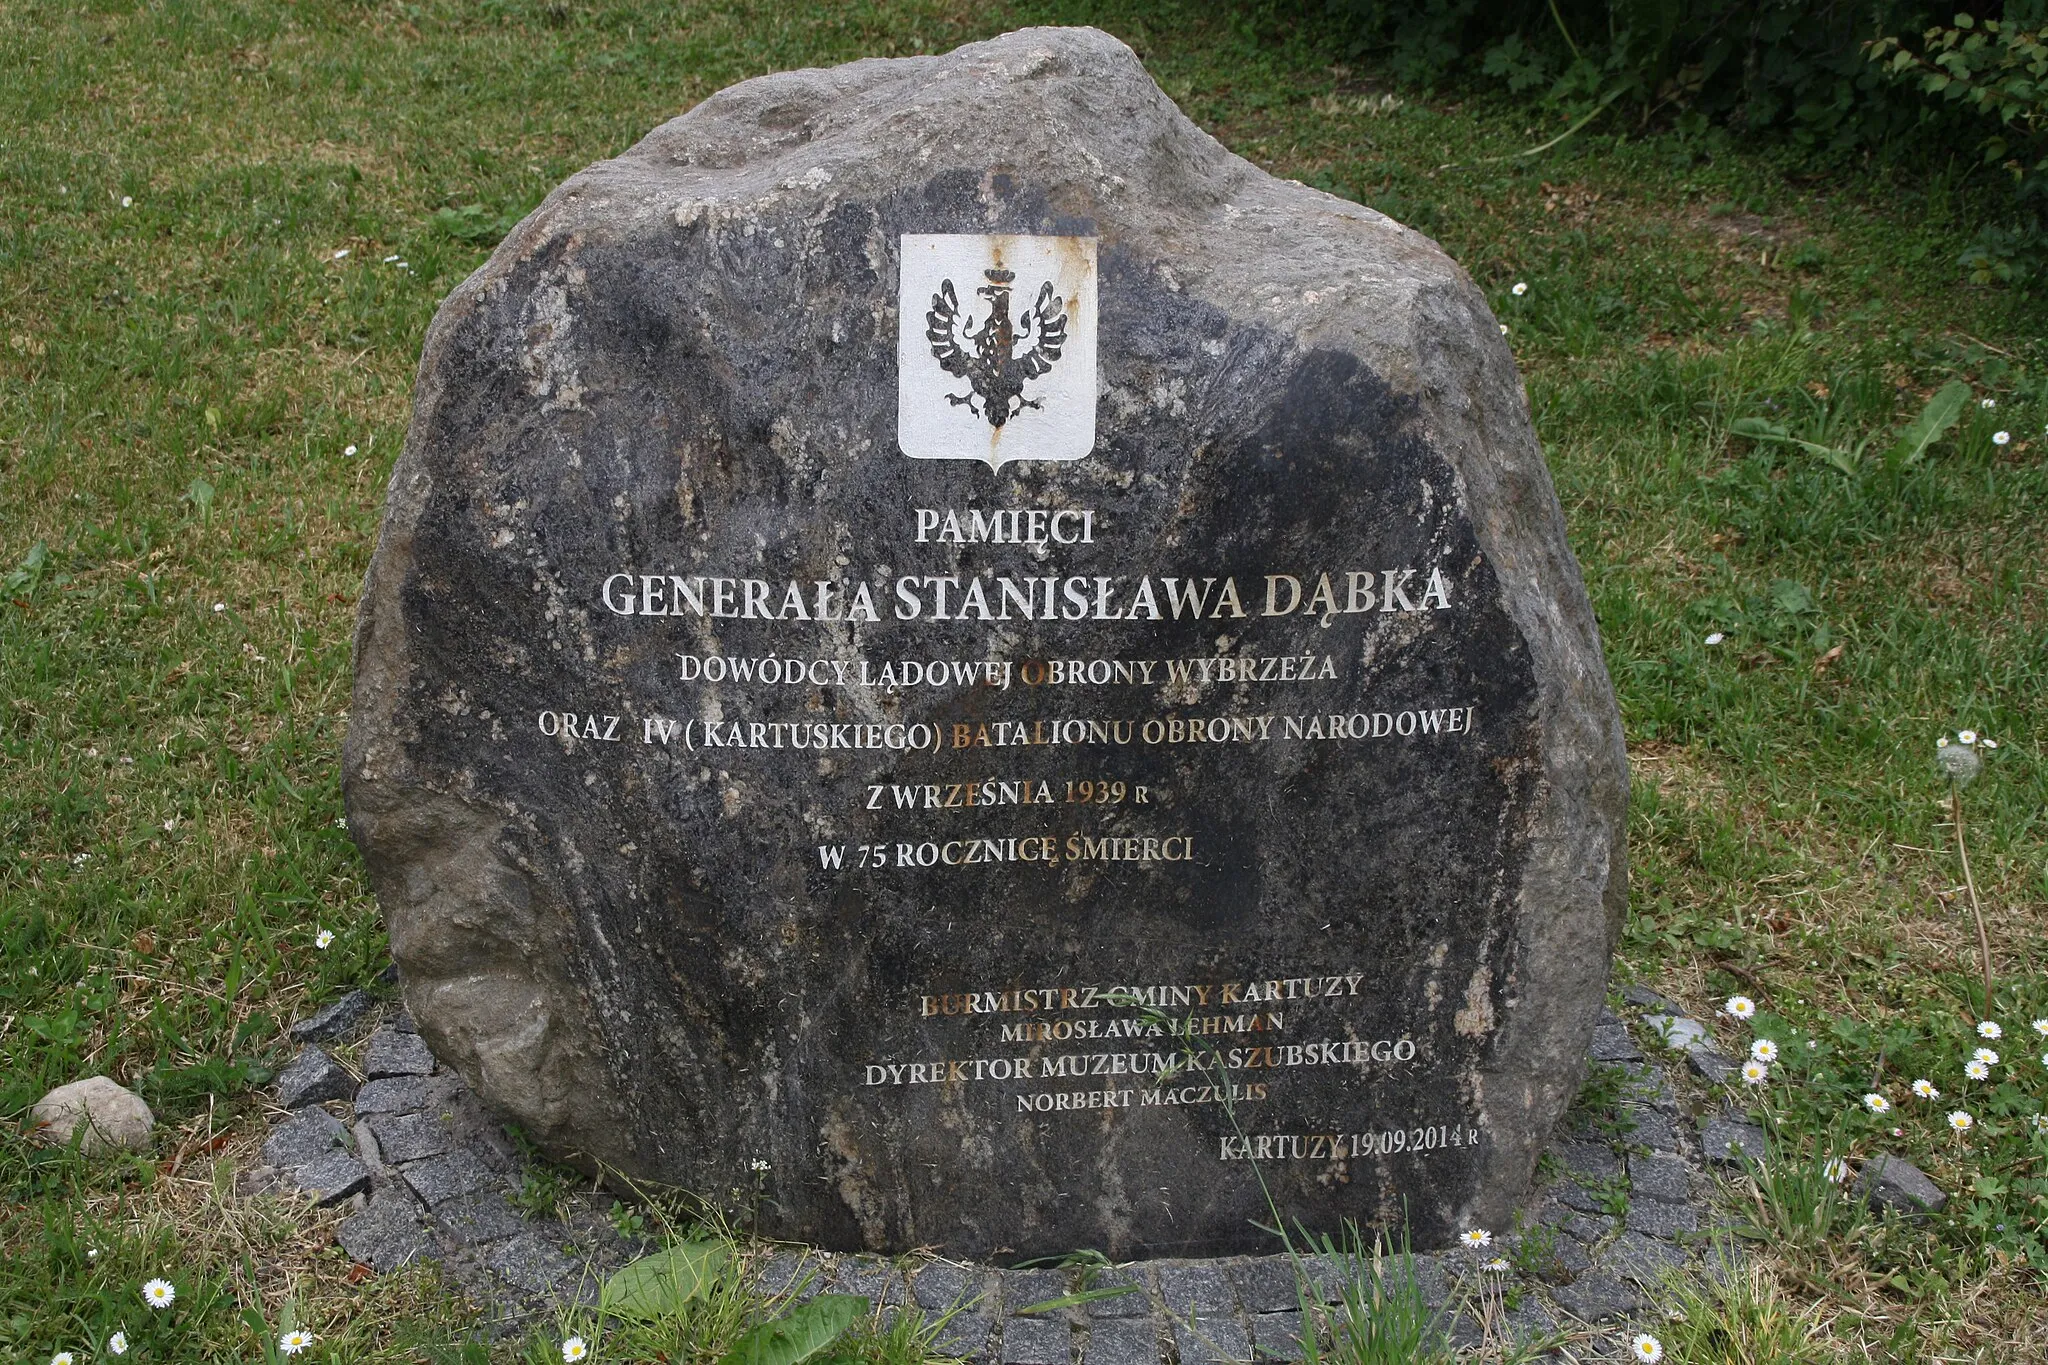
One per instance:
(987, 355)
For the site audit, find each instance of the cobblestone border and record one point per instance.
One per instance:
(427, 1174)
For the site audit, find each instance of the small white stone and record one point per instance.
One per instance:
(115, 1116)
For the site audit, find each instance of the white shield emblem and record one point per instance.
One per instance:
(995, 348)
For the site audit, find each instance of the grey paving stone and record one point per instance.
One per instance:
(1530, 1322)
(873, 1279)
(1723, 1138)
(1037, 1341)
(1135, 1302)
(1594, 1159)
(1429, 1278)
(1611, 1043)
(1276, 1336)
(798, 1274)
(532, 1263)
(411, 1137)
(477, 1219)
(1589, 1228)
(1714, 1068)
(401, 1020)
(1657, 1219)
(1195, 1286)
(332, 1178)
(312, 1077)
(1660, 1177)
(1570, 1259)
(1211, 1340)
(1022, 1288)
(943, 1285)
(1574, 1195)
(304, 1137)
(1655, 1130)
(391, 1053)
(1597, 1296)
(445, 1177)
(965, 1336)
(1634, 1256)
(337, 1020)
(1267, 1284)
(1122, 1341)
(387, 1234)
(1328, 1277)
(1645, 998)
(407, 1094)
(1892, 1182)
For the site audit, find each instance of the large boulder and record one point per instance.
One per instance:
(957, 664)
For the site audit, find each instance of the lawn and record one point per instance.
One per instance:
(225, 227)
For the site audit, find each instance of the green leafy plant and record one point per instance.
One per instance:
(1380, 1315)
(1908, 449)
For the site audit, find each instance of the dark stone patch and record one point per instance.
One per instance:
(305, 1137)
(965, 1336)
(1654, 1129)
(337, 1020)
(444, 1177)
(311, 1078)
(942, 1286)
(411, 1137)
(1645, 998)
(1023, 1288)
(1892, 1182)
(1592, 1160)
(1037, 1341)
(1665, 1178)
(1714, 1068)
(332, 1178)
(1122, 1341)
(529, 1262)
(1195, 1286)
(1211, 1339)
(1597, 1296)
(387, 1234)
(876, 1281)
(407, 1094)
(1136, 1303)
(1611, 1043)
(1645, 1260)
(1277, 1336)
(1267, 1284)
(392, 1053)
(1725, 1142)
(1659, 1219)
(476, 1219)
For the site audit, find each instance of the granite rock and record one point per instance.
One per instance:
(1892, 1182)
(97, 1113)
(731, 397)
(332, 1177)
(313, 1077)
(307, 1136)
(1728, 1142)
(337, 1020)
(389, 1233)
(392, 1053)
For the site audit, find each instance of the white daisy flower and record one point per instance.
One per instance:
(341, 253)
(1924, 1088)
(1764, 1050)
(1987, 744)
(1961, 1121)
(574, 1350)
(389, 259)
(291, 1343)
(1988, 1029)
(1715, 637)
(117, 1344)
(348, 450)
(1521, 288)
(1498, 1265)
(1646, 1348)
(1476, 1237)
(1878, 1104)
(1985, 1055)
(1999, 438)
(1835, 1169)
(323, 938)
(1740, 1006)
(61, 1358)
(1756, 1073)
(1977, 1070)
(159, 1293)
(1966, 736)
(2040, 1122)
(220, 606)
(1503, 329)
(757, 1165)
(1987, 403)
(2041, 1027)
(127, 202)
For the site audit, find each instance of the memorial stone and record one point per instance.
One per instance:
(947, 651)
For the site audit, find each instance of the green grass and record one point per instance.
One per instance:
(181, 379)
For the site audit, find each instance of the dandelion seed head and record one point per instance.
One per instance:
(1958, 762)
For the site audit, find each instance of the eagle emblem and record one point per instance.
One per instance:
(998, 356)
